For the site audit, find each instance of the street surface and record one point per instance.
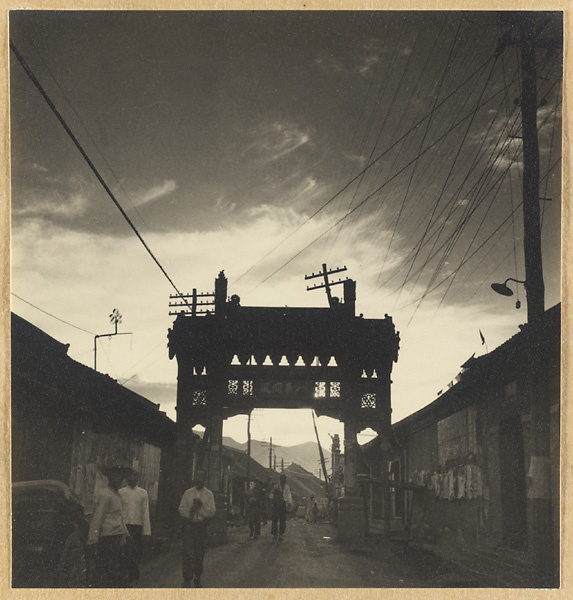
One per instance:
(307, 557)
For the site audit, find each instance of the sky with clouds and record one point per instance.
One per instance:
(266, 144)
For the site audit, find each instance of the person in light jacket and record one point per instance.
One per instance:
(196, 508)
(108, 534)
(135, 505)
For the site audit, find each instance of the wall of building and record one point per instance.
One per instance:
(441, 456)
(68, 420)
(96, 448)
(41, 434)
(471, 451)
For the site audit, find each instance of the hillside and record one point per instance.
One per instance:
(306, 455)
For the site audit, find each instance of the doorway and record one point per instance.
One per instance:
(513, 485)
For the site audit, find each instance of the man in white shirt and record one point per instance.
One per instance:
(281, 500)
(197, 507)
(107, 533)
(135, 508)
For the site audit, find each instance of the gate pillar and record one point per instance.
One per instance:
(218, 524)
(351, 517)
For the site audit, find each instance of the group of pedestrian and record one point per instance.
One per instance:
(121, 520)
(256, 507)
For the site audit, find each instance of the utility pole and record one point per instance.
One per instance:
(320, 452)
(535, 287)
(327, 283)
(543, 544)
(115, 318)
(540, 466)
(271, 454)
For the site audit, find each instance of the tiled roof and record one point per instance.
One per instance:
(511, 349)
(41, 362)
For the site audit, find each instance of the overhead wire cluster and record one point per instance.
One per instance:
(441, 194)
(27, 69)
(440, 156)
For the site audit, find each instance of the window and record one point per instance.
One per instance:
(320, 389)
(368, 400)
(233, 388)
(199, 398)
(335, 389)
(247, 388)
(457, 435)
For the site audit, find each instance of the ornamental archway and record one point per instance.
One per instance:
(232, 359)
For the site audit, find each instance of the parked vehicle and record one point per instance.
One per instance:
(49, 533)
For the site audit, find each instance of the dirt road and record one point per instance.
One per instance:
(307, 557)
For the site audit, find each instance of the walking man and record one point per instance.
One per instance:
(255, 499)
(135, 504)
(107, 533)
(281, 500)
(197, 507)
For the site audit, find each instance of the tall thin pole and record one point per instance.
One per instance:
(320, 452)
(540, 465)
(535, 287)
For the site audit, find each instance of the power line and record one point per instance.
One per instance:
(148, 364)
(93, 168)
(316, 239)
(453, 164)
(87, 131)
(421, 145)
(358, 175)
(51, 315)
(467, 214)
(453, 273)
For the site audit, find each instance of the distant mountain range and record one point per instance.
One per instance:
(306, 455)
(301, 463)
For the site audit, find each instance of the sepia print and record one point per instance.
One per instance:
(285, 298)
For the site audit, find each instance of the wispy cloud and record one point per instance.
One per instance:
(277, 140)
(51, 206)
(156, 192)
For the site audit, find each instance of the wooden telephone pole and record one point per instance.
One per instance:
(540, 466)
(543, 543)
(327, 283)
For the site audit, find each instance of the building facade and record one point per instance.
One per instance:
(466, 457)
(68, 420)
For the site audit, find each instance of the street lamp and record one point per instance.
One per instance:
(504, 290)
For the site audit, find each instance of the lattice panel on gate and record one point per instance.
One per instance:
(368, 400)
(320, 389)
(199, 398)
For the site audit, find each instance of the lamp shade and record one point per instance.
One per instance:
(501, 288)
